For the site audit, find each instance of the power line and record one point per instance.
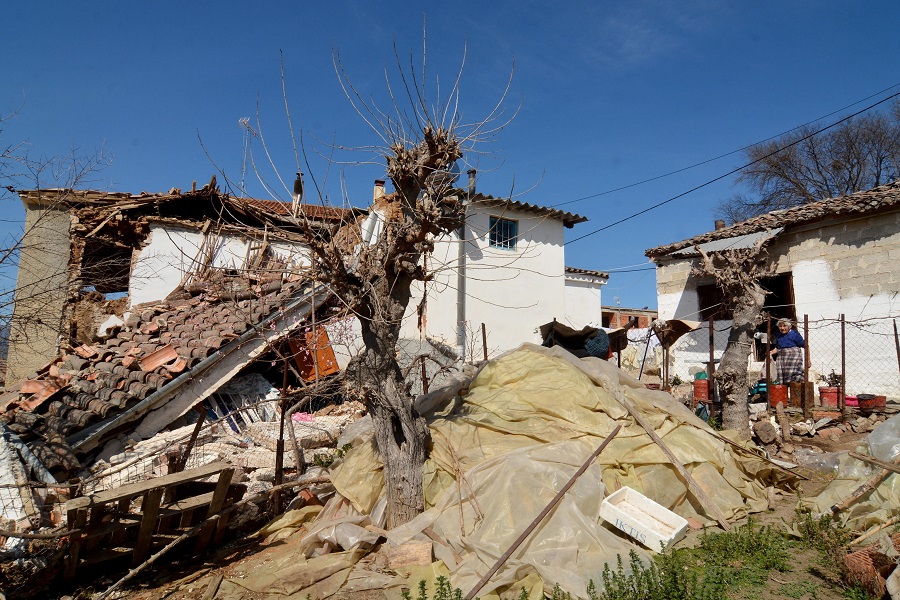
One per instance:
(733, 171)
(701, 163)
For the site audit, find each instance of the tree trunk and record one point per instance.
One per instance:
(731, 375)
(401, 434)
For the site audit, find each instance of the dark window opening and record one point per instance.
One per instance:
(504, 233)
(105, 267)
(712, 303)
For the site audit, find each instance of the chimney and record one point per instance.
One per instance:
(471, 174)
(379, 190)
(720, 224)
(298, 195)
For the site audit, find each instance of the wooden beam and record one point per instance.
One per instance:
(150, 511)
(693, 486)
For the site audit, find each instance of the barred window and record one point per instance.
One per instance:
(504, 233)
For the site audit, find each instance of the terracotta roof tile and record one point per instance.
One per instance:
(129, 366)
(313, 211)
(876, 199)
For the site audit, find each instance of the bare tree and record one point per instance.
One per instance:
(371, 269)
(859, 154)
(737, 272)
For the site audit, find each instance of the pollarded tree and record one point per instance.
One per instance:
(737, 272)
(372, 271)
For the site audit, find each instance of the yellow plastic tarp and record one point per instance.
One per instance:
(503, 450)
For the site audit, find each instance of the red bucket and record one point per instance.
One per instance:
(701, 390)
(778, 394)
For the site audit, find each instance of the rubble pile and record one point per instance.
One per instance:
(503, 444)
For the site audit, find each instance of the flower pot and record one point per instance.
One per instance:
(866, 401)
(778, 394)
(828, 395)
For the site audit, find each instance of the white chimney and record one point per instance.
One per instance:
(379, 190)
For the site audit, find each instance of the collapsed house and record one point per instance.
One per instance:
(133, 309)
(505, 441)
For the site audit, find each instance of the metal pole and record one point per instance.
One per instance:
(643, 360)
(484, 341)
(712, 365)
(201, 417)
(897, 344)
(807, 388)
(279, 448)
(768, 362)
(424, 377)
(842, 401)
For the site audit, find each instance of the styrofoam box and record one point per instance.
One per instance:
(651, 524)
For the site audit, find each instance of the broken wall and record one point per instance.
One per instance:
(41, 289)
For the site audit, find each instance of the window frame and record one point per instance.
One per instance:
(500, 239)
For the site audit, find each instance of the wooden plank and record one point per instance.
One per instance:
(122, 515)
(213, 588)
(186, 504)
(77, 519)
(236, 493)
(150, 510)
(218, 501)
(693, 486)
(134, 489)
(874, 461)
(865, 488)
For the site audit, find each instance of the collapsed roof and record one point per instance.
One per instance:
(167, 357)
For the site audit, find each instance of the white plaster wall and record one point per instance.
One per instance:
(511, 292)
(583, 301)
(515, 292)
(162, 263)
(295, 255)
(160, 266)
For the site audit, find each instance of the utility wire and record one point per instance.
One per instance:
(701, 163)
(733, 171)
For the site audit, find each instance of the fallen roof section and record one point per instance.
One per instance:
(166, 358)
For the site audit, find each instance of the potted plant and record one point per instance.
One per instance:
(831, 390)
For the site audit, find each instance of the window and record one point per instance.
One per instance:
(711, 303)
(504, 233)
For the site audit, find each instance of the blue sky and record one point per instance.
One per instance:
(607, 94)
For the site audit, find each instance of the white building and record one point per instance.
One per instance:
(834, 257)
(506, 270)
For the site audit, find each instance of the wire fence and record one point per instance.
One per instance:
(864, 353)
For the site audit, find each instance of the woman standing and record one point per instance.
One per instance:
(789, 352)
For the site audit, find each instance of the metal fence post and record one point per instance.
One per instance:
(807, 387)
(842, 401)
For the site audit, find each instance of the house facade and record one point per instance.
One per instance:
(505, 269)
(837, 256)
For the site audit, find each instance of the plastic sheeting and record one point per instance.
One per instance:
(502, 451)
(880, 504)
